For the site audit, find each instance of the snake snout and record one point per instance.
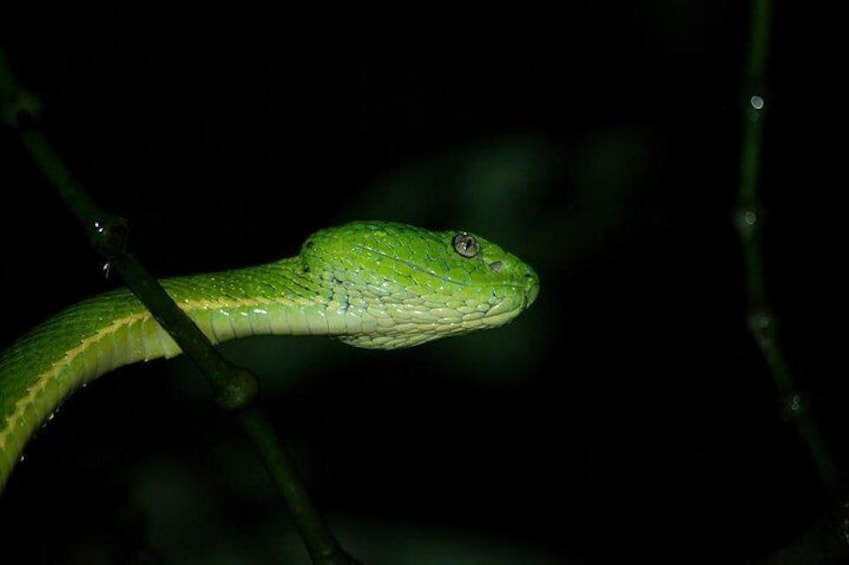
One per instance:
(531, 287)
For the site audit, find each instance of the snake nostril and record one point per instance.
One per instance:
(496, 266)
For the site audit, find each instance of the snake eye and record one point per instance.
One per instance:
(466, 245)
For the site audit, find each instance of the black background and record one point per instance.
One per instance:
(628, 414)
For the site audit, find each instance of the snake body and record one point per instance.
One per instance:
(377, 285)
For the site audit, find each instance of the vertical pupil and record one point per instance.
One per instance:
(466, 245)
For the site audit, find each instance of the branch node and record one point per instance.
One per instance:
(762, 325)
(238, 391)
(755, 107)
(748, 220)
(793, 405)
(21, 110)
(109, 236)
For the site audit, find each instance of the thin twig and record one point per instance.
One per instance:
(235, 388)
(824, 541)
(762, 322)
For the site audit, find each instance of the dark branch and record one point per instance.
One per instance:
(235, 388)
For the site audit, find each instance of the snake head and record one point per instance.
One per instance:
(399, 285)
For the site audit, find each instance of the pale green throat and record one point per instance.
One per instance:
(378, 285)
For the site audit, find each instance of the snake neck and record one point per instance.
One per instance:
(281, 298)
(114, 329)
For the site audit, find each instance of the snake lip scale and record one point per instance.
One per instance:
(373, 284)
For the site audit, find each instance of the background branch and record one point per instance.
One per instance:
(761, 320)
(825, 541)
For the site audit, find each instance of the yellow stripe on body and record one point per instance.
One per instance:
(125, 340)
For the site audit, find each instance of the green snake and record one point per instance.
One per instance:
(379, 285)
